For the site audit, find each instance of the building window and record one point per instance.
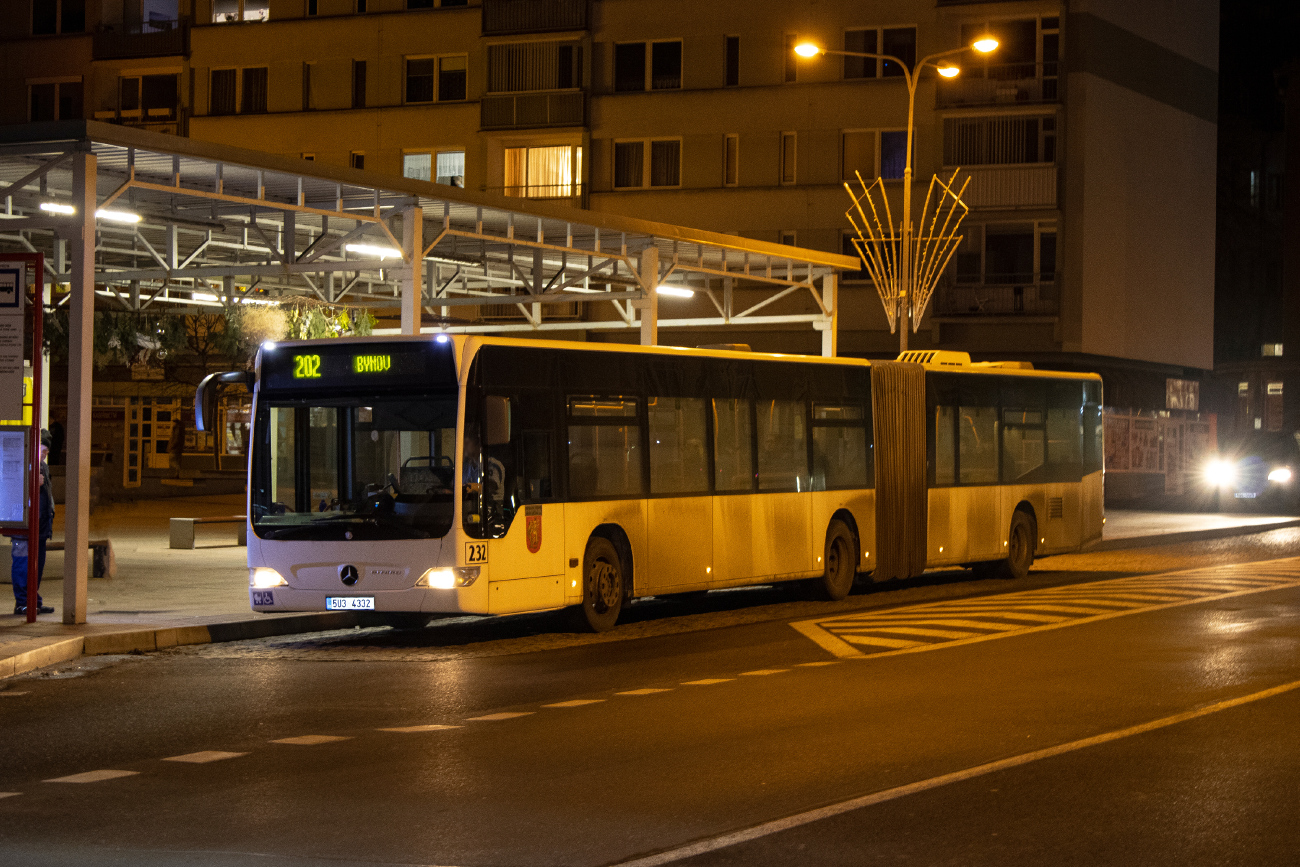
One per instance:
(731, 161)
(311, 158)
(418, 166)
(788, 157)
(899, 42)
(893, 154)
(444, 167)
(546, 172)
(1273, 406)
(55, 100)
(357, 159)
(228, 11)
(999, 140)
(451, 78)
(660, 161)
(58, 16)
(848, 248)
(791, 59)
(306, 87)
(312, 7)
(358, 84)
(733, 61)
(419, 80)
(253, 93)
(1007, 254)
(858, 155)
(149, 97)
(788, 238)
(522, 67)
(660, 67)
(1271, 350)
(361, 7)
(221, 98)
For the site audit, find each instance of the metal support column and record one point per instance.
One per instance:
(830, 326)
(649, 305)
(81, 312)
(413, 273)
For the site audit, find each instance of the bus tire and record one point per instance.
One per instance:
(1021, 541)
(840, 561)
(604, 585)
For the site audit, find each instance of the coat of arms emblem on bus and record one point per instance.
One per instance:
(533, 528)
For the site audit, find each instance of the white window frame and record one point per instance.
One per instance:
(241, 13)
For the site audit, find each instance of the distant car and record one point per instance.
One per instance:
(1261, 471)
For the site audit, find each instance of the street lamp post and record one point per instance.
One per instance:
(910, 76)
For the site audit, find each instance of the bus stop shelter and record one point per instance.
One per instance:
(141, 218)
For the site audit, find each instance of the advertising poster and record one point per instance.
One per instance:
(11, 343)
(13, 479)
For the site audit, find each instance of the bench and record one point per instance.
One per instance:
(103, 562)
(182, 529)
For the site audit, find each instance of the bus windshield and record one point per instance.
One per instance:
(362, 468)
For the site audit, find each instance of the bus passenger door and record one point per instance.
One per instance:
(680, 553)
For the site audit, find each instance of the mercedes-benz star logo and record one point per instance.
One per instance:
(349, 575)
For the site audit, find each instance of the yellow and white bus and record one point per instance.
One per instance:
(424, 475)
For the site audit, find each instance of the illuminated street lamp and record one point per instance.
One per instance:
(984, 45)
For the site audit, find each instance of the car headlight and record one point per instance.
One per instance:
(448, 578)
(1220, 473)
(1281, 475)
(264, 578)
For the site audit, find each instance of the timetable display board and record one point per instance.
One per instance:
(14, 478)
(378, 366)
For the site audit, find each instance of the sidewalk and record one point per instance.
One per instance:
(163, 597)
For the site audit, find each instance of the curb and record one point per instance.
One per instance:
(1189, 536)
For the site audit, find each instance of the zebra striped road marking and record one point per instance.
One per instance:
(965, 621)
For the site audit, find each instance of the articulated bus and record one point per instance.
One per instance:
(460, 474)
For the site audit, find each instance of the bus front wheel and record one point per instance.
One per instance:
(1020, 547)
(603, 584)
(841, 561)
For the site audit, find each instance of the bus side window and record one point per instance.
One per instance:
(782, 446)
(733, 449)
(977, 439)
(839, 447)
(536, 446)
(945, 446)
(677, 434)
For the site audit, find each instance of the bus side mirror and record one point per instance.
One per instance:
(205, 396)
(496, 420)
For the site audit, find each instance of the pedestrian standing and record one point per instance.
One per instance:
(20, 552)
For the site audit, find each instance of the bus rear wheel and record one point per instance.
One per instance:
(840, 561)
(1020, 547)
(603, 587)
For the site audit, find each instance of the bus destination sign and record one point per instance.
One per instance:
(403, 365)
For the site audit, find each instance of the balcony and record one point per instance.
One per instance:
(533, 16)
(1000, 84)
(1009, 187)
(1004, 295)
(164, 120)
(532, 110)
(158, 39)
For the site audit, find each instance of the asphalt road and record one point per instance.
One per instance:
(1135, 707)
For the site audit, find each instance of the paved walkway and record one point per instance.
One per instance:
(163, 597)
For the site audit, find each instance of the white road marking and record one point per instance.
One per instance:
(11, 694)
(767, 829)
(648, 691)
(818, 663)
(432, 727)
(707, 681)
(93, 776)
(577, 702)
(311, 740)
(202, 758)
(492, 717)
(897, 643)
(9, 794)
(762, 671)
(924, 633)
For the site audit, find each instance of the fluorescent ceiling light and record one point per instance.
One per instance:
(117, 216)
(676, 291)
(57, 208)
(371, 250)
(203, 296)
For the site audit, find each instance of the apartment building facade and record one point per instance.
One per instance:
(1088, 138)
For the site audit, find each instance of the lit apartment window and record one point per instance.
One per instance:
(659, 161)
(58, 16)
(1272, 350)
(543, 172)
(55, 100)
(225, 11)
(897, 42)
(449, 167)
(658, 68)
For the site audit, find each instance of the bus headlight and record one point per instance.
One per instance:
(1220, 473)
(1281, 475)
(448, 578)
(264, 578)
